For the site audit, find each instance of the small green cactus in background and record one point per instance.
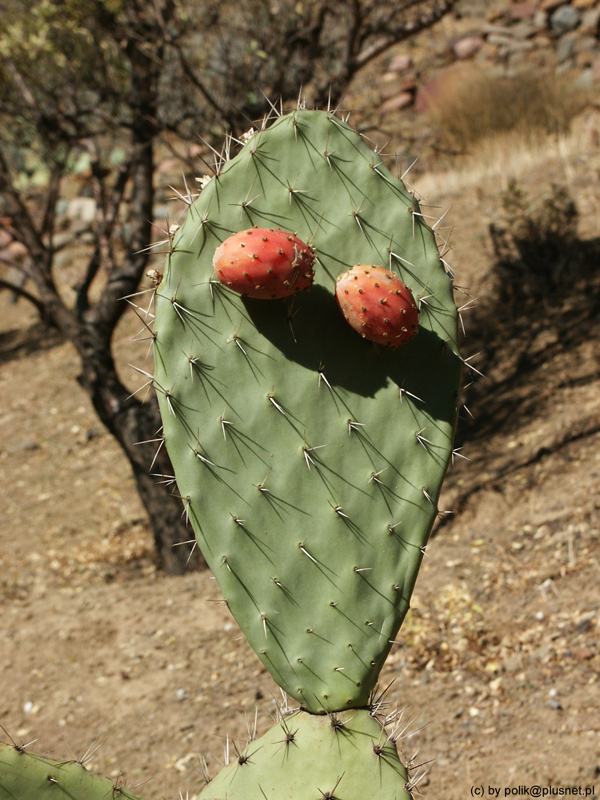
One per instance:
(309, 458)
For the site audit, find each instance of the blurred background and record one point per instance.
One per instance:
(113, 639)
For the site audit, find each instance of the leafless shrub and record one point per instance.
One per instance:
(535, 243)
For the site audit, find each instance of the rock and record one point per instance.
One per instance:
(398, 102)
(63, 239)
(16, 252)
(582, 653)
(550, 5)
(585, 623)
(583, 3)
(5, 238)
(168, 166)
(467, 47)
(23, 447)
(83, 210)
(62, 206)
(525, 29)
(400, 63)
(499, 30)
(590, 21)
(565, 19)
(522, 11)
(393, 89)
(585, 44)
(585, 80)
(507, 44)
(161, 211)
(565, 49)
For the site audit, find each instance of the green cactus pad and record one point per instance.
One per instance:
(26, 776)
(309, 460)
(307, 757)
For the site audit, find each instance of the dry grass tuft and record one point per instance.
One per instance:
(470, 106)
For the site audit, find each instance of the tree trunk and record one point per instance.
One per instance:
(137, 428)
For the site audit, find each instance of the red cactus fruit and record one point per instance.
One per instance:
(264, 263)
(377, 305)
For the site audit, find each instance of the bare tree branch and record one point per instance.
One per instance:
(399, 33)
(21, 292)
(135, 72)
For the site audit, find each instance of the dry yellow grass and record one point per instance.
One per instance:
(502, 158)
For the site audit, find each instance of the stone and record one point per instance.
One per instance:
(583, 3)
(525, 30)
(397, 103)
(550, 5)
(519, 11)
(16, 251)
(565, 48)
(400, 63)
(565, 19)
(82, 209)
(497, 30)
(467, 47)
(5, 238)
(590, 21)
(509, 45)
(586, 44)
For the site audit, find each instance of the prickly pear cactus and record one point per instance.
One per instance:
(27, 776)
(309, 460)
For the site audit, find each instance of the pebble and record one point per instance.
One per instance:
(467, 47)
(590, 21)
(565, 19)
(397, 103)
(565, 49)
(400, 63)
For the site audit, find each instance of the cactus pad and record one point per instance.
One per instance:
(27, 776)
(311, 757)
(309, 460)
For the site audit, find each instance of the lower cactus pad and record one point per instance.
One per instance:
(347, 756)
